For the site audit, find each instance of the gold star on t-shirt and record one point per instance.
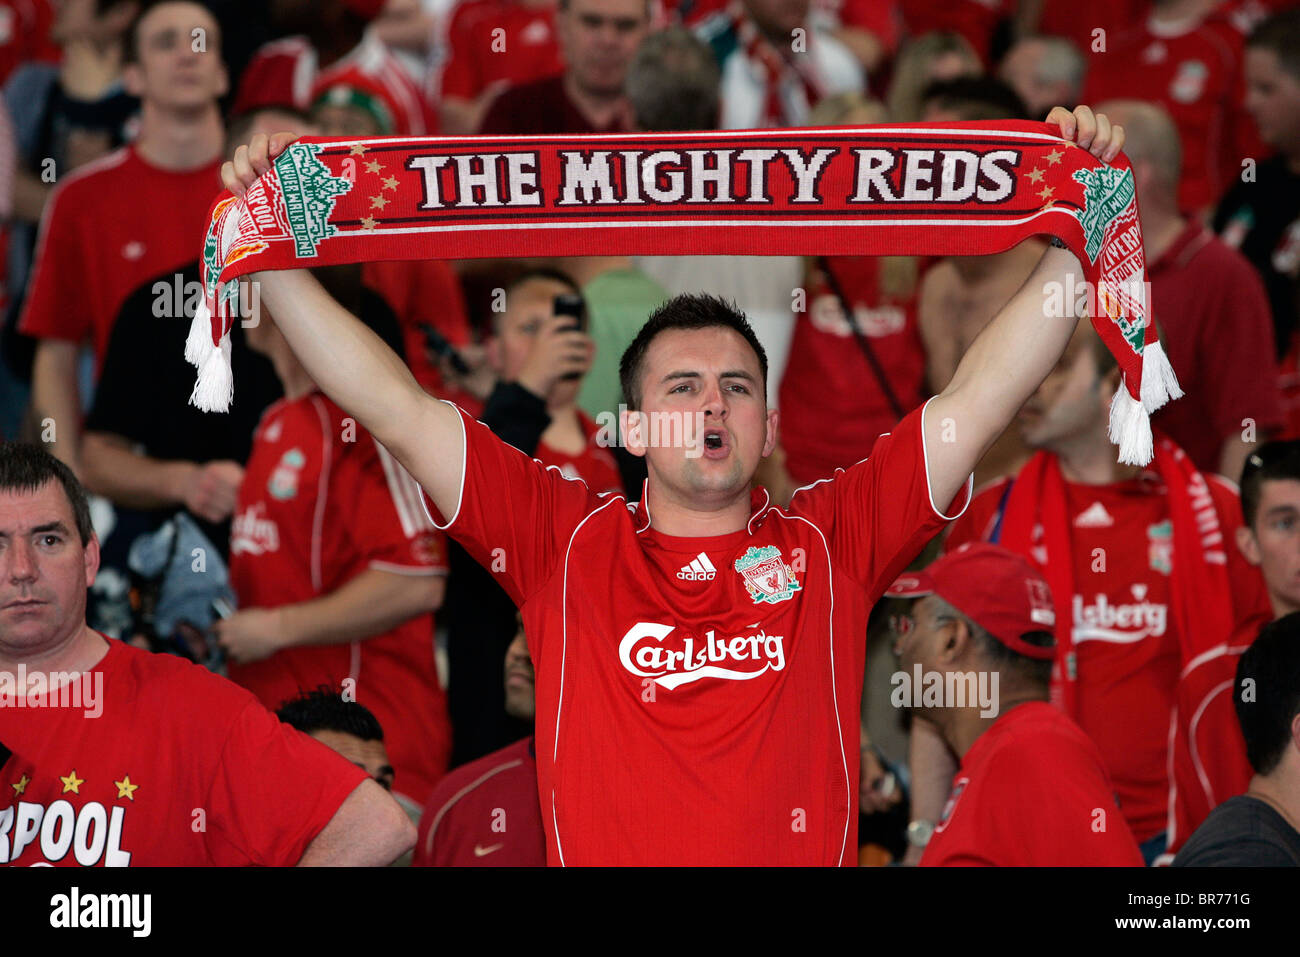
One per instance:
(374, 166)
(1053, 157)
(378, 202)
(1035, 175)
(358, 149)
(72, 782)
(369, 222)
(390, 183)
(1045, 192)
(125, 789)
(21, 786)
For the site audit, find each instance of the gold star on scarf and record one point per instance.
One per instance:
(369, 222)
(125, 789)
(21, 786)
(72, 782)
(1046, 192)
(358, 149)
(1035, 175)
(390, 183)
(378, 202)
(374, 166)
(1053, 157)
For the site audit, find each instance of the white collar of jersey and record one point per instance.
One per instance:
(641, 509)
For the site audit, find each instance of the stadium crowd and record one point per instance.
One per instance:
(1138, 627)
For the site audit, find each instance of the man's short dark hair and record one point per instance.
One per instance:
(1280, 33)
(684, 312)
(325, 710)
(674, 84)
(28, 468)
(1267, 692)
(534, 274)
(976, 98)
(1272, 461)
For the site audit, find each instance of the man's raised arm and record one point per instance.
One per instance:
(1016, 351)
(351, 364)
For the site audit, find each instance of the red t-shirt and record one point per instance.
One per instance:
(1196, 75)
(283, 72)
(1032, 792)
(1077, 21)
(180, 767)
(25, 34)
(485, 814)
(973, 19)
(109, 227)
(537, 108)
(832, 405)
(322, 502)
(595, 465)
(1217, 329)
(525, 49)
(709, 719)
(1127, 653)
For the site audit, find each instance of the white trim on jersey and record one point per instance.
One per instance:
(405, 493)
(322, 494)
(442, 811)
(929, 488)
(1201, 776)
(464, 463)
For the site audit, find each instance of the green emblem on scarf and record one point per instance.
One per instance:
(310, 190)
(1107, 193)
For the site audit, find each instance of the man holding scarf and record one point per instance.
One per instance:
(1143, 571)
(710, 716)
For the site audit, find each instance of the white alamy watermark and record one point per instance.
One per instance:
(656, 430)
(82, 690)
(1073, 298)
(945, 689)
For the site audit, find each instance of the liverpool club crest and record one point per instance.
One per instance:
(767, 577)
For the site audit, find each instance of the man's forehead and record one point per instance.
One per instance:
(1279, 493)
(21, 509)
(700, 350)
(182, 14)
(610, 8)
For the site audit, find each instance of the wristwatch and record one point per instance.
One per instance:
(919, 833)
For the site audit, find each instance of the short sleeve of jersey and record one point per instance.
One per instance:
(877, 515)
(56, 308)
(275, 789)
(515, 516)
(389, 526)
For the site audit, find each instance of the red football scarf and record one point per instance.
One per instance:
(1201, 597)
(960, 189)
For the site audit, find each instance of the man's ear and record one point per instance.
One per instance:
(1248, 546)
(769, 441)
(495, 354)
(958, 645)
(133, 79)
(632, 424)
(90, 555)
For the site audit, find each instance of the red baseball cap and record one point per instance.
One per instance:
(995, 588)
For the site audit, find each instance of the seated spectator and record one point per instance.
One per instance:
(1140, 567)
(487, 814)
(346, 602)
(343, 726)
(475, 71)
(1260, 216)
(1189, 61)
(536, 353)
(1208, 304)
(1044, 72)
(139, 212)
(1259, 828)
(597, 41)
(1031, 789)
(771, 76)
(322, 37)
(1207, 736)
(922, 61)
(179, 766)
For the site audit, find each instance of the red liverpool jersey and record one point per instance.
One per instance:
(1032, 792)
(697, 698)
(111, 226)
(169, 765)
(322, 502)
(1125, 640)
(485, 814)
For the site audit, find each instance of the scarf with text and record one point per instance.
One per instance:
(957, 189)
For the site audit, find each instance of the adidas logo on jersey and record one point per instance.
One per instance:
(1094, 516)
(699, 570)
